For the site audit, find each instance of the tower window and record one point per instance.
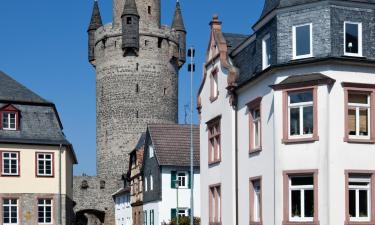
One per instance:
(149, 10)
(137, 114)
(136, 88)
(165, 91)
(128, 20)
(146, 42)
(137, 66)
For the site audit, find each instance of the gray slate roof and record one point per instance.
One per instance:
(172, 144)
(11, 90)
(178, 21)
(39, 120)
(234, 40)
(96, 18)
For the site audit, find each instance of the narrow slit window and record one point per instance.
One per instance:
(137, 88)
(160, 42)
(149, 10)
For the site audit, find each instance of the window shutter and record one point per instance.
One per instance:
(189, 179)
(173, 214)
(173, 179)
(189, 211)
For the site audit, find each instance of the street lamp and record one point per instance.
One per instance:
(191, 69)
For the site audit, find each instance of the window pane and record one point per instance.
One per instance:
(299, 181)
(351, 36)
(363, 122)
(294, 121)
(268, 51)
(352, 212)
(308, 120)
(303, 40)
(363, 210)
(358, 98)
(256, 134)
(309, 203)
(296, 203)
(298, 97)
(352, 122)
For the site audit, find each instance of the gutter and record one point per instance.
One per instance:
(60, 188)
(236, 153)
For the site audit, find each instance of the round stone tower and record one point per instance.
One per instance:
(137, 62)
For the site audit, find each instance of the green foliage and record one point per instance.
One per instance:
(185, 221)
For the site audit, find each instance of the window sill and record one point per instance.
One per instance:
(5, 175)
(359, 141)
(300, 140)
(255, 223)
(301, 223)
(254, 151)
(359, 223)
(214, 163)
(300, 58)
(212, 99)
(41, 176)
(214, 223)
(348, 55)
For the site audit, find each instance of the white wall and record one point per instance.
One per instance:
(156, 207)
(224, 171)
(123, 210)
(330, 155)
(169, 195)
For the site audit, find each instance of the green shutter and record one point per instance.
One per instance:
(189, 179)
(173, 214)
(152, 217)
(173, 179)
(145, 217)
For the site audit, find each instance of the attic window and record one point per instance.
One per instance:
(149, 10)
(9, 118)
(128, 20)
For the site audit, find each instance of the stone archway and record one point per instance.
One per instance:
(89, 217)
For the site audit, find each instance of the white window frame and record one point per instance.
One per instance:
(151, 151)
(44, 161)
(45, 205)
(295, 42)
(256, 128)
(265, 60)
(360, 48)
(151, 183)
(257, 200)
(8, 118)
(357, 107)
(10, 206)
(10, 158)
(146, 187)
(357, 188)
(302, 189)
(183, 212)
(185, 176)
(301, 107)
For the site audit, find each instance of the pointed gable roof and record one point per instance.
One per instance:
(13, 91)
(171, 144)
(96, 18)
(130, 8)
(178, 21)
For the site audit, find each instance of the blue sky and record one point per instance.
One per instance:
(43, 45)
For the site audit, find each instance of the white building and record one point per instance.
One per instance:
(287, 118)
(166, 173)
(123, 209)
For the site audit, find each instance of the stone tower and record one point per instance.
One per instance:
(137, 62)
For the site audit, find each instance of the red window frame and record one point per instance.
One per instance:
(360, 88)
(214, 140)
(19, 164)
(252, 106)
(10, 109)
(52, 166)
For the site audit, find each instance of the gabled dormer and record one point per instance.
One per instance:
(10, 118)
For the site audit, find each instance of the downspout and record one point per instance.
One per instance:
(60, 183)
(235, 106)
(274, 162)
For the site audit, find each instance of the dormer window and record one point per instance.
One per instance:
(9, 118)
(266, 50)
(352, 39)
(128, 20)
(302, 41)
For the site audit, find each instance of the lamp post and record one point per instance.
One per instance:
(177, 186)
(191, 69)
